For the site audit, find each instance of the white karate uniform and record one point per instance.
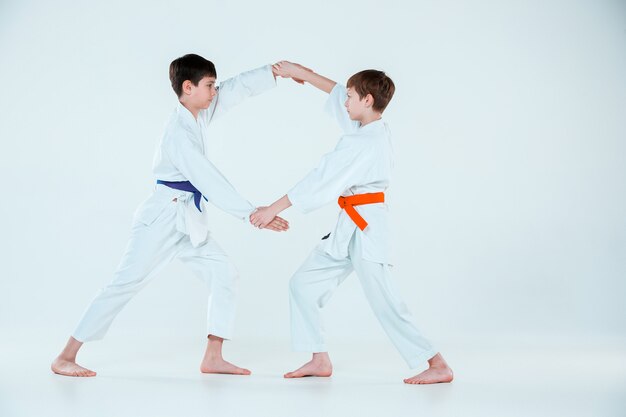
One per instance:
(168, 225)
(360, 163)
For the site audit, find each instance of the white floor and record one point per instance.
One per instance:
(161, 378)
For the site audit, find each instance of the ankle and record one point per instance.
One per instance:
(66, 358)
(321, 358)
(211, 355)
(437, 361)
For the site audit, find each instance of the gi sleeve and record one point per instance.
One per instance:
(192, 163)
(338, 170)
(335, 106)
(234, 90)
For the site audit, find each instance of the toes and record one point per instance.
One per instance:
(82, 372)
(412, 381)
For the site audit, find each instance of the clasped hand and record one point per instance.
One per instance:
(286, 69)
(265, 218)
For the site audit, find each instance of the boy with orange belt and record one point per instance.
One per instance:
(358, 171)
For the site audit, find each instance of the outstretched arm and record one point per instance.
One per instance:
(338, 94)
(209, 180)
(302, 74)
(236, 89)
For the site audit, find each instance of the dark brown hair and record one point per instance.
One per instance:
(376, 83)
(190, 67)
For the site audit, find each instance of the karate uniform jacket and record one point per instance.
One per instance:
(180, 156)
(360, 163)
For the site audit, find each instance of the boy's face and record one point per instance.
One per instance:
(355, 105)
(202, 95)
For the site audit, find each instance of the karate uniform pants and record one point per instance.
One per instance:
(312, 286)
(150, 248)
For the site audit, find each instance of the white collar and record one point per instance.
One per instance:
(374, 125)
(186, 114)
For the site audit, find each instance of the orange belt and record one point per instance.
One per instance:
(348, 203)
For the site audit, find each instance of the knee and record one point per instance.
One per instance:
(123, 286)
(296, 286)
(226, 276)
(232, 274)
(129, 277)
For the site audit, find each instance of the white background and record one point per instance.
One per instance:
(508, 202)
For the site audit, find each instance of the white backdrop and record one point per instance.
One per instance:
(508, 202)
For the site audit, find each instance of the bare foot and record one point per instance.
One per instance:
(70, 368)
(438, 372)
(320, 365)
(214, 363)
(220, 366)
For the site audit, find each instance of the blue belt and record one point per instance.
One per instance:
(185, 186)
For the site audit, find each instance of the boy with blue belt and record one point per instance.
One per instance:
(171, 223)
(355, 174)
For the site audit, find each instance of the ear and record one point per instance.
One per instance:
(369, 100)
(187, 84)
